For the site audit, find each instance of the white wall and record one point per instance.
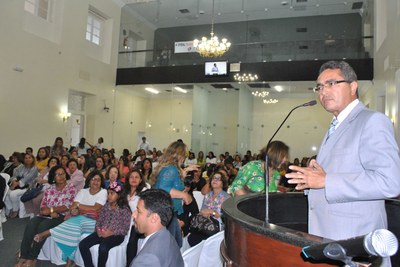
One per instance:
(304, 129)
(53, 63)
(387, 59)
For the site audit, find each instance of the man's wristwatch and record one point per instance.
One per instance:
(213, 213)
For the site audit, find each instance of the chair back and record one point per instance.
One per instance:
(6, 177)
(191, 256)
(210, 254)
(199, 198)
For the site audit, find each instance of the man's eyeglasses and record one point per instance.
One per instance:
(328, 84)
(59, 174)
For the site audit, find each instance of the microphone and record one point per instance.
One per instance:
(381, 242)
(311, 103)
(308, 104)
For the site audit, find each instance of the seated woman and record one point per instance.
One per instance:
(84, 212)
(14, 162)
(111, 227)
(99, 166)
(77, 178)
(133, 186)
(33, 206)
(251, 177)
(212, 204)
(23, 178)
(147, 169)
(56, 202)
(42, 158)
(123, 166)
(112, 175)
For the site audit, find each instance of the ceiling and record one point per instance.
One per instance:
(175, 13)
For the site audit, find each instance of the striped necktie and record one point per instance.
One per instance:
(332, 127)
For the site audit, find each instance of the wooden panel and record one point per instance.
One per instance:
(247, 248)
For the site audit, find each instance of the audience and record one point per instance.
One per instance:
(176, 171)
(84, 213)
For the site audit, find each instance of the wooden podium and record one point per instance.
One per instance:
(250, 241)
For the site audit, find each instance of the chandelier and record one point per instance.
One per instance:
(211, 47)
(245, 77)
(260, 94)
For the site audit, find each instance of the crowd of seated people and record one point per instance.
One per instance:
(91, 170)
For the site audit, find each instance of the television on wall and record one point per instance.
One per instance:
(216, 68)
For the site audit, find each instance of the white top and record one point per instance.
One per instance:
(211, 161)
(189, 162)
(85, 198)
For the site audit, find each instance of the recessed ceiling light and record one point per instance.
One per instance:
(278, 88)
(177, 88)
(152, 90)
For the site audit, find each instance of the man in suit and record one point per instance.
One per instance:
(357, 166)
(158, 248)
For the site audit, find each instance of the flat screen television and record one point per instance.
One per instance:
(216, 68)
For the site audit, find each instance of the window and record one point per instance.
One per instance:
(94, 27)
(40, 8)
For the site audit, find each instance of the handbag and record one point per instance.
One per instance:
(203, 225)
(31, 193)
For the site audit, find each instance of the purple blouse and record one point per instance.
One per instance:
(117, 220)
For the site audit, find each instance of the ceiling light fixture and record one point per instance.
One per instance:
(245, 77)
(177, 88)
(260, 94)
(270, 101)
(152, 90)
(211, 47)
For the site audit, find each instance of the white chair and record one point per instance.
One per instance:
(210, 254)
(185, 244)
(116, 255)
(199, 198)
(191, 256)
(3, 210)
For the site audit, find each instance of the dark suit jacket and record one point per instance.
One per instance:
(160, 250)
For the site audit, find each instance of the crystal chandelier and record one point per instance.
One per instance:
(260, 94)
(211, 47)
(245, 77)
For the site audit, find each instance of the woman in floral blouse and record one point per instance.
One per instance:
(251, 177)
(212, 204)
(111, 227)
(55, 203)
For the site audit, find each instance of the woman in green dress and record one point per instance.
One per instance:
(251, 177)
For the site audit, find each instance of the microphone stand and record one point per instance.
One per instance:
(311, 103)
(280, 126)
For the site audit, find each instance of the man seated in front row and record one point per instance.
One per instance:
(158, 248)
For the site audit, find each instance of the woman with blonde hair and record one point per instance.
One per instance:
(168, 175)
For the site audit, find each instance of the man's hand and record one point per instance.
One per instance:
(312, 176)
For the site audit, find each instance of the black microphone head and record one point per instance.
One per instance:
(381, 243)
(311, 103)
